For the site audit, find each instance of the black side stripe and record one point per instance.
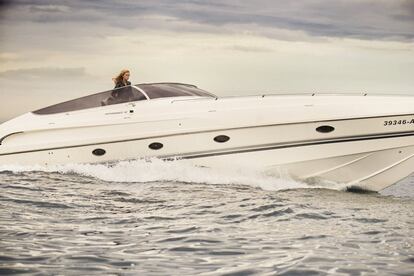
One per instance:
(244, 149)
(8, 135)
(291, 145)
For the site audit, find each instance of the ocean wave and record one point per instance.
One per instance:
(156, 170)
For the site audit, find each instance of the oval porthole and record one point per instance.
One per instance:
(155, 146)
(325, 129)
(98, 152)
(221, 138)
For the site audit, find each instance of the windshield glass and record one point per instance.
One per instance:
(126, 94)
(163, 90)
(114, 96)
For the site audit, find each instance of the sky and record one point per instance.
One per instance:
(52, 51)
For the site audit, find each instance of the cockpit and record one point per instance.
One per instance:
(131, 93)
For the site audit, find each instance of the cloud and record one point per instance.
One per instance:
(250, 49)
(50, 8)
(9, 57)
(362, 19)
(43, 74)
(52, 51)
(22, 90)
(408, 6)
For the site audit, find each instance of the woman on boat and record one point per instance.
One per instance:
(122, 79)
(119, 95)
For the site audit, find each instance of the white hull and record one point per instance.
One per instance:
(371, 166)
(371, 145)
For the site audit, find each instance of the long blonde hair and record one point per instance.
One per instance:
(120, 76)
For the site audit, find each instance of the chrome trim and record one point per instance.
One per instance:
(140, 90)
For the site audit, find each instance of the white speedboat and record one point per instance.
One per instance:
(361, 141)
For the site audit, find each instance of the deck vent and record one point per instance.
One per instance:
(221, 138)
(325, 129)
(98, 152)
(156, 146)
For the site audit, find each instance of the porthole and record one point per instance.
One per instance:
(98, 152)
(221, 138)
(156, 146)
(325, 129)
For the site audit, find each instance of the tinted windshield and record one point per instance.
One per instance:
(115, 96)
(126, 94)
(163, 90)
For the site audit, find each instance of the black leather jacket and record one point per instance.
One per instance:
(121, 84)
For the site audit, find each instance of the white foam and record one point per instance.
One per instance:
(176, 171)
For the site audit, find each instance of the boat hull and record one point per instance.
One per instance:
(364, 152)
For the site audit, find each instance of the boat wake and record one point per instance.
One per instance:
(156, 170)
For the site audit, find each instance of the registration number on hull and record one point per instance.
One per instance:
(398, 122)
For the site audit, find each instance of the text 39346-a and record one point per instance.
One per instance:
(399, 122)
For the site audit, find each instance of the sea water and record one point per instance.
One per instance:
(168, 218)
